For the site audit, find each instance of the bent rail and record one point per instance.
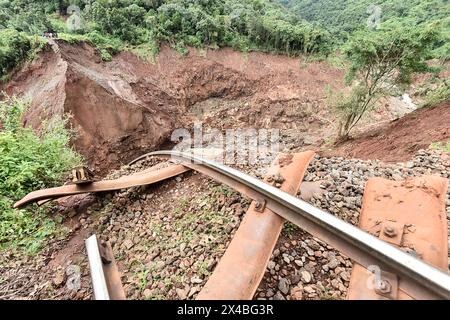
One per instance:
(138, 179)
(418, 279)
(242, 267)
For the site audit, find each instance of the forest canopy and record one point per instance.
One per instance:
(290, 27)
(248, 24)
(113, 24)
(343, 17)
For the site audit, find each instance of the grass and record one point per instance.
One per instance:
(142, 276)
(106, 45)
(441, 146)
(438, 95)
(147, 51)
(29, 162)
(290, 228)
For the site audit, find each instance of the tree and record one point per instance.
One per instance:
(14, 48)
(380, 60)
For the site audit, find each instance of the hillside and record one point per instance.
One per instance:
(127, 106)
(98, 83)
(342, 17)
(144, 25)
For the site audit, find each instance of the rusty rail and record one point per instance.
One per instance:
(142, 178)
(417, 278)
(104, 272)
(242, 267)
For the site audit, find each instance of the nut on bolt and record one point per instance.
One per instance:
(260, 205)
(384, 286)
(390, 232)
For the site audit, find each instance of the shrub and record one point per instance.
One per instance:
(14, 49)
(379, 61)
(29, 161)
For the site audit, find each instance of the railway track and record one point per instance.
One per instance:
(419, 273)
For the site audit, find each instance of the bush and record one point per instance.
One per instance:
(438, 95)
(29, 162)
(14, 49)
(380, 61)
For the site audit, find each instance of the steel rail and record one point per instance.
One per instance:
(99, 284)
(104, 272)
(417, 278)
(145, 177)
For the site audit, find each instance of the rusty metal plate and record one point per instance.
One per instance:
(392, 232)
(410, 214)
(145, 177)
(243, 265)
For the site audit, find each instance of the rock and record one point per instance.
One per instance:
(278, 296)
(72, 213)
(283, 285)
(335, 283)
(193, 291)
(297, 293)
(306, 276)
(148, 293)
(269, 293)
(196, 280)
(128, 244)
(333, 263)
(271, 265)
(345, 276)
(60, 278)
(313, 245)
(298, 263)
(309, 289)
(295, 279)
(182, 293)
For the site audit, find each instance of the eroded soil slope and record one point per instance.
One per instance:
(400, 140)
(127, 106)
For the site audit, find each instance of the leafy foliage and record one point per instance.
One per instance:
(439, 94)
(15, 48)
(244, 25)
(343, 17)
(442, 146)
(29, 162)
(379, 61)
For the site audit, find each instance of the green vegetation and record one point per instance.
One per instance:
(343, 17)
(115, 24)
(28, 162)
(440, 93)
(380, 61)
(383, 43)
(442, 146)
(15, 48)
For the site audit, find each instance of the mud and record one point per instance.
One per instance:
(128, 106)
(400, 140)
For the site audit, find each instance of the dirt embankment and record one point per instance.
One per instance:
(123, 108)
(401, 139)
(127, 106)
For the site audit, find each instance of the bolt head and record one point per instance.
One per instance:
(390, 231)
(384, 286)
